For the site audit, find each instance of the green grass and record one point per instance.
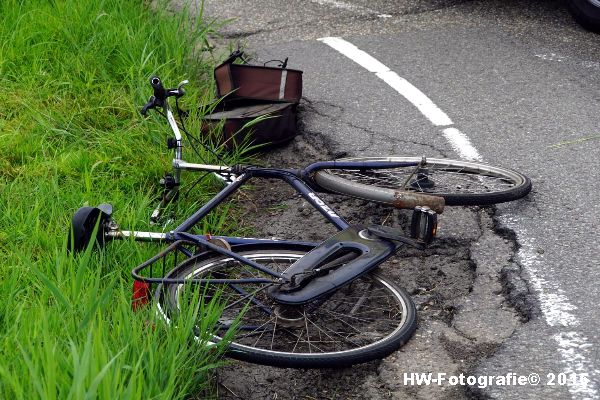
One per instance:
(73, 75)
(575, 141)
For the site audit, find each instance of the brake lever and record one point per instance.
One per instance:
(180, 89)
(149, 105)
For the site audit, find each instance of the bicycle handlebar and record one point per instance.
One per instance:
(159, 90)
(161, 94)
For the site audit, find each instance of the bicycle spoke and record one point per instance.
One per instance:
(251, 297)
(264, 331)
(445, 177)
(251, 333)
(307, 331)
(358, 316)
(337, 315)
(334, 332)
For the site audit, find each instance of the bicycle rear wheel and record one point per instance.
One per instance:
(364, 321)
(460, 183)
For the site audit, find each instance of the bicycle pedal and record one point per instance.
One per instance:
(423, 226)
(155, 217)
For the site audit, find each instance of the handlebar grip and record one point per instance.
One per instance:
(150, 104)
(159, 91)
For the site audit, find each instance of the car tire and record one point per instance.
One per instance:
(586, 13)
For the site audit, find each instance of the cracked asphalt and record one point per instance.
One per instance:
(507, 289)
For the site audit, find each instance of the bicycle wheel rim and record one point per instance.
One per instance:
(273, 343)
(458, 182)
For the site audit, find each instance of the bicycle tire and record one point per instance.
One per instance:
(276, 341)
(474, 183)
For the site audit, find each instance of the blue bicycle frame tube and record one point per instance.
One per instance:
(234, 255)
(317, 203)
(214, 202)
(289, 176)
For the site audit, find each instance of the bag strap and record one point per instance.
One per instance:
(234, 56)
(282, 64)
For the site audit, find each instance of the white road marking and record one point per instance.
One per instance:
(555, 305)
(557, 311)
(551, 57)
(462, 145)
(360, 57)
(416, 97)
(350, 7)
(401, 85)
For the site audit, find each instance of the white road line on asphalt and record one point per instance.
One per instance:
(555, 304)
(415, 96)
(462, 145)
(557, 312)
(357, 55)
(350, 7)
(401, 85)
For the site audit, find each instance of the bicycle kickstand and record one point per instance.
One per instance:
(170, 194)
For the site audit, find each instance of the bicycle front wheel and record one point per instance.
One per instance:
(460, 183)
(363, 321)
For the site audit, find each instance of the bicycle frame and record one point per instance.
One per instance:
(181, 232)
(301, 181)
(288, 175)
(365, 250)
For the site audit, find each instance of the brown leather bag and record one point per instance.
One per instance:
(276, 124)
(257, 82)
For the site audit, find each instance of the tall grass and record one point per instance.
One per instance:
(73, 75)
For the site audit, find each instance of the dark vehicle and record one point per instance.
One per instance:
(586, 12)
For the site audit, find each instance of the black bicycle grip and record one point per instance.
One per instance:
(159, 91)
(150, 104)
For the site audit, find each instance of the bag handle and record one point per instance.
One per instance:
(234, 56)
(282, 64)
(240, 54)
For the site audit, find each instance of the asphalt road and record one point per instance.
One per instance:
(521, 81)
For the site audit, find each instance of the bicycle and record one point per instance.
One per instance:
(293, 303)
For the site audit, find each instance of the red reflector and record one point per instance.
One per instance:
(141, 295)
